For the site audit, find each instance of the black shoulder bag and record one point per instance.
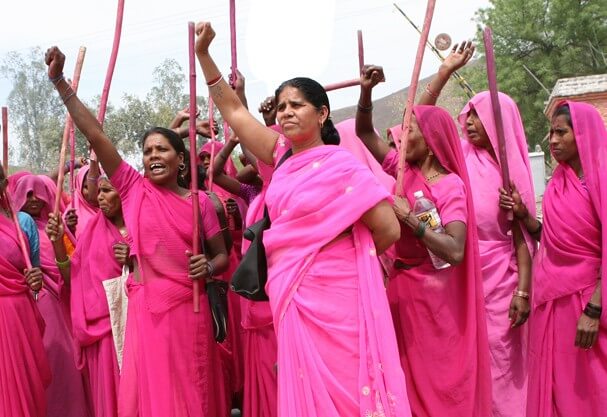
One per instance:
(249, 279)
(217, 294)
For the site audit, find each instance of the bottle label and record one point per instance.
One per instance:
(430, 217)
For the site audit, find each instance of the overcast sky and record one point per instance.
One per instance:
(276, 39)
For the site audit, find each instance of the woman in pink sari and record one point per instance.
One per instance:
(81, 202)
(24, 371)
(506, 249)
(567, 344)
(101, 253)
(170, 365)
(337, 353)
(438, 313)
(34, 197)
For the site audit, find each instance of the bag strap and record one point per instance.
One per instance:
(223, 220)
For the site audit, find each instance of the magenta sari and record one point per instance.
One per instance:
(439, 314)
(54, 305)
(337, 354)
(171, 364)
(92, 263)
(24, 370)
(508, 347)
(565, 380)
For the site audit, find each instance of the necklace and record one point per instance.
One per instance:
(431, 177)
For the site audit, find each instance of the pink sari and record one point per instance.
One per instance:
(53, 303)
(565, 380)
(439, 314)
(92, 263)
(337, 354)
(85, 211)
(24, 370)
(508, 347)
(171, 366)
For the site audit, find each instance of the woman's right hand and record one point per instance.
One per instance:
(513, 202)
(204, 36)
(33, 277)
(370, 76)
(55, 60)
(54, 227)
(459, 56)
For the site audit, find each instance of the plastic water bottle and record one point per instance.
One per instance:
(426, 212)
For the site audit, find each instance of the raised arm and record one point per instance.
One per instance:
(459, 56)
(83, 119)
(259, 139)
(370, 76)
(225, 181)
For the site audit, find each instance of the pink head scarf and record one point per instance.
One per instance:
(230, 168)
(516, 141)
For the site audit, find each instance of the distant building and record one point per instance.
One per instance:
(590, 88)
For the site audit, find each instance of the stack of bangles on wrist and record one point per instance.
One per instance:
(420, 231)
(210, 269)
(430, 92)
(593, 311)
(365, 109)
(521, 294)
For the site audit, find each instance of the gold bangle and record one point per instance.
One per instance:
(522, 294)
(62, 264)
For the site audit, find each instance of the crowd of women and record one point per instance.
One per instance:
(361, 320)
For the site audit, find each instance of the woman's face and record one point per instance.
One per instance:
(562, 140)
(33, 206)
(206, 160)
(476, 131)
(299, 119)
(417, 149)
(160, 160)
(108, 199)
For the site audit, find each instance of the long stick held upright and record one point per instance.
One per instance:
(105, 94)
(5, 140)
(495, 104)
(66, 132)
(421, 47)
(233, 49)
(193, 165)
(361, 50)
(213, 139)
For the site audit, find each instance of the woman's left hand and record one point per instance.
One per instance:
(519, 311)
(198, 268)
(33, 277)
(122, 253)
(204, 36)
(587, 332)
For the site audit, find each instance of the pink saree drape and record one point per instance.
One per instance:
(67, 394)
(93, 262)
(508, 347)
(24, 369)
(85, 211)
(171, 364)
(565, 380)
(337, 354)
(439, 315)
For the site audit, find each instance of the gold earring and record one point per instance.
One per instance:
(182, 166)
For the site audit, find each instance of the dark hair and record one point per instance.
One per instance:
(563, 111)
(315, 94)
(171, 135)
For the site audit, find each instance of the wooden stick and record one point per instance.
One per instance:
(342, 84)
(110, 69)
(5, 140)
(72, 162)
(411, 94)
(233, 41)
(66, 132)
(193, 164)
(495, 104)
(361, 51)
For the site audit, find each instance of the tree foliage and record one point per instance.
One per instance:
(554, 39)
(37, 114)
